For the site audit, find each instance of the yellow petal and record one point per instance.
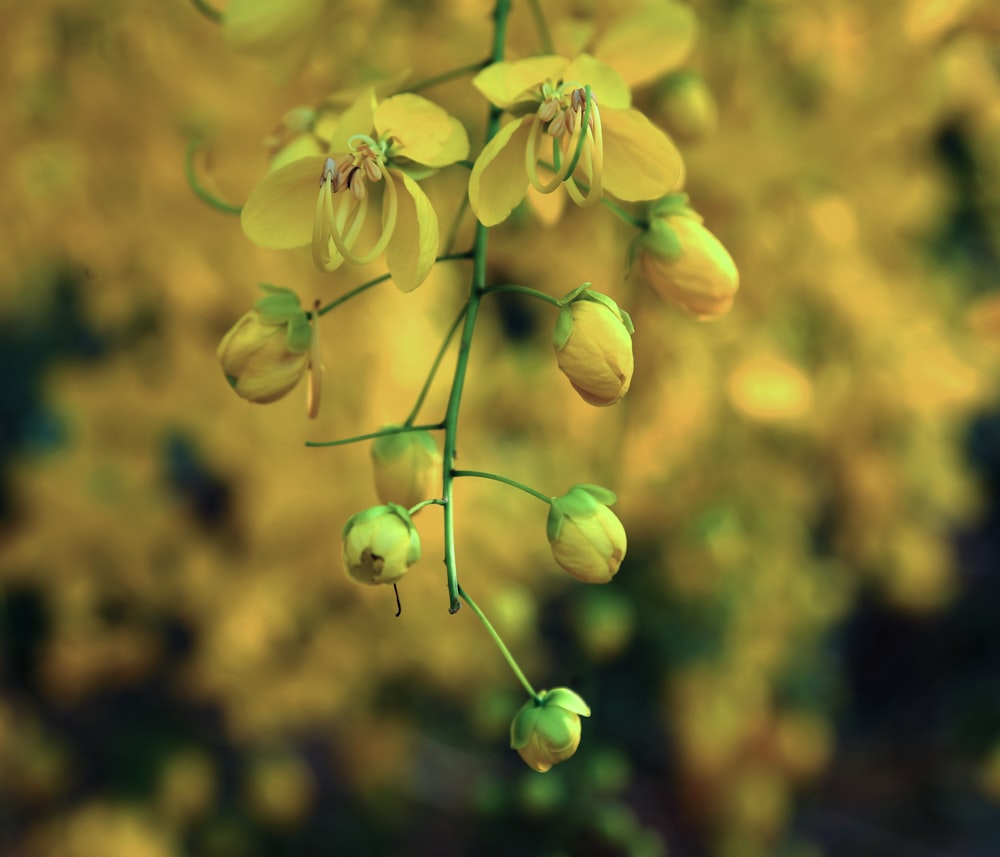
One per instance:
(499, 181)
(414, 245)
(640, 161)
(508, 83)
(356, 119)
(604, 81)
(279, 212)
(426, 133)
(646, 46)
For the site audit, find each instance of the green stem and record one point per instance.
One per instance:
(476, 287)
(445, 76)
(523, 290)
(447, 257)
(209, 12)
(496, 477)
(422, 503)
(375, 434)
(434, 367)
(200, 192)
(542, 27)
(500, 645)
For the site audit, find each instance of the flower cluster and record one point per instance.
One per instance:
(345, 180)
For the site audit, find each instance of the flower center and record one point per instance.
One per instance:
(336, 229)
(570, 116)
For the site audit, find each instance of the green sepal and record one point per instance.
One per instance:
(233, 381)
(413, 553)
(584, 500)
(278, 305)
(523, 725)
(672, 204)
(677, 80)
(661, 239)
(572, 295)
(417, 172)
(605, 300)
(553, 523)
(563, 697)
(564, 327)
(300, 333)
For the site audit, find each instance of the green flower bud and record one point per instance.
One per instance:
(546, 731)
(380, 544)
(587, 539)
(406, 465)
(270, 27)
(266, 352)
(688, 106)
(593, 344)
(685, 263)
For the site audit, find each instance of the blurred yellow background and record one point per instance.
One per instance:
(800, 654)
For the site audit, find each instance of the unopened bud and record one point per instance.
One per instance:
(380, 544)
(686, 264)
(266, 352)
(593, 345)
(586, 537)
(406, 465)
(546, 730)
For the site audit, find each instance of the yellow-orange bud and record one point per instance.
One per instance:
(687, 265)
(593, 345)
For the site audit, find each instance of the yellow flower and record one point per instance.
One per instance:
(266, 353)
(375, 146)
(685, 263)
(546, 730)
(593, 344)
(406, 465)
(380, 545)
(586, 537)
(582, 108)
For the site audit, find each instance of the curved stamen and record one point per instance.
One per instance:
(531, 162)
(323, 201)
(388, 225)
(595, 163)
(563, 171)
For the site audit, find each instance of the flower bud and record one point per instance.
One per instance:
(593, 344)
(685, 263)
(407, 465)
(266, 352)
(380, 544)
(546, 730)
(587, 539)
(269, 27)
(688, 107)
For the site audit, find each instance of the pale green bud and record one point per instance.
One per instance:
(685, 263)
(586, 537)
(688, 106)
(380, 544)
(407, 465)
(546, 731)
(267, 351)
(593, 345)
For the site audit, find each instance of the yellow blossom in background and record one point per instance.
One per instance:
(324, 199)
(575, 116)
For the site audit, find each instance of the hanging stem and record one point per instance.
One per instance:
(542, 27)
(496, 477)
(209, 12)
(375, 434)
(523, 290)
(434, 367)
(500, 645)
(447, 257)
(192, 179)
(476, 288)
(445, 76)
